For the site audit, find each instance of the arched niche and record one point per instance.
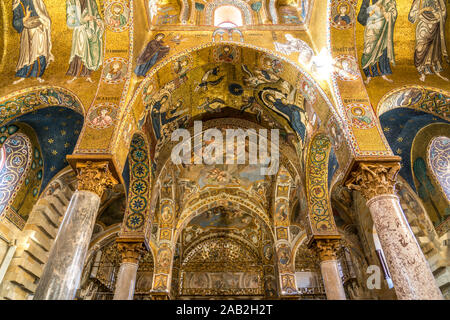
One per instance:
(212, 6)
(307, 271)
(438, 162)
(428, 187)
(28, 190)
(400, 127)
(102, 266)
(17, 155)
(227, 252)
(228, 16)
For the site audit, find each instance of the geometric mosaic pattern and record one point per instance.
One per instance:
(139, 189)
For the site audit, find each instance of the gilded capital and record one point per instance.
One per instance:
(374, 178)
(94, 177)
(326, 248)
(131, 251)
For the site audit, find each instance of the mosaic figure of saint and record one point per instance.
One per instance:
(32, 22)
(86, 55)
(117, 19)
(159, 115)
(430, 48)
(379, 21)
(290, 111)
(115, 73)
(153, 52)
(342, 19)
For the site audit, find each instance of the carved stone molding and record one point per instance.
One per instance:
(326, 248)
(94, 177)
(131, 252)
(374, 178)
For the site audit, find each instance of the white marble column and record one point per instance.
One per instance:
(62, 273)
(326, 249)
(409, 269)
(332, 280)
(412, 277)
(126, 279)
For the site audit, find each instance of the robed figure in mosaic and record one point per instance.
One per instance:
(378, 54)
(154, 51)
(87, 39)
(31, 20)
(430, 16)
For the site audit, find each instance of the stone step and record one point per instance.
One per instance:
(14, 292)
(39, 237)
(39, 230)
(21, 278)
(49, 230)
(31, 266)
(417, 231)
(63, 197)
(37, 253)
(423, 240)
(49, 214)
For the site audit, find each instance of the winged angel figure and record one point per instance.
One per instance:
(293, 44)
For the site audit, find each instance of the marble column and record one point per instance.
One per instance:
(326, 249)
(62, 273)
(412, 277)
(126, 279)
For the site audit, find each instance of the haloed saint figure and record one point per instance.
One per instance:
(379, 19)
(430, 48)
(32, 22)
(86, 56)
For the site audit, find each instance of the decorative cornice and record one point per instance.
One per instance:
(326, 248)
(374, 178)
(94, 177)
(131, 252)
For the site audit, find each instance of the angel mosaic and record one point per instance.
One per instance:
(292, 45)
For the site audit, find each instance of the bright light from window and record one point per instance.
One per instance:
(227, 17)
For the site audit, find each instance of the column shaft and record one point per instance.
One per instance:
(332, 280)
(62, 273)
(126, 281)
(409, 269)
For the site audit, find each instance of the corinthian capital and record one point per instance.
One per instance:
(326, 248)
(374, 178)
(131, 251)
(94, 177)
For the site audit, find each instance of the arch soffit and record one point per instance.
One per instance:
(288, 156)
(208, 237)
(325, 100)
(222, 198)
(27, 100)
(421, 98)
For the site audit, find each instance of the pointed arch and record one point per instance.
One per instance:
(320, 214)
(24, 101)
